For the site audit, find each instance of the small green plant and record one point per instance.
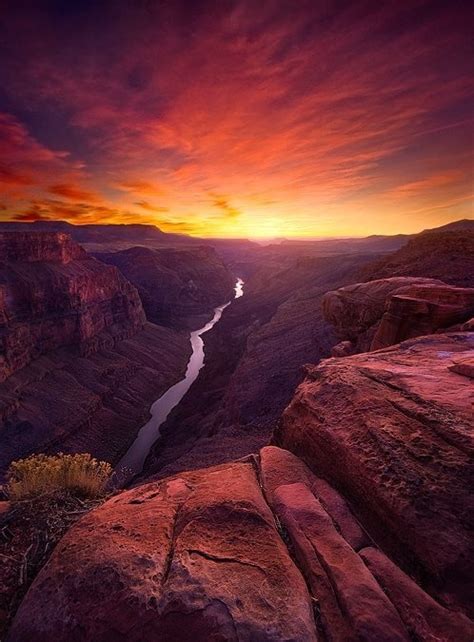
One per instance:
(80, 475)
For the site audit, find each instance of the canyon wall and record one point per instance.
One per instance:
(254, 359)
(79, 365)
(53, 294)
(353, 526)
(179, 286)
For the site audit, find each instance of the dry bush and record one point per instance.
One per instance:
(80, 475)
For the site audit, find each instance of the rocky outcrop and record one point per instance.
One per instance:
(393, 430)
(256, 550)
(421, 310)
(380, 313)
(53, 294)
(196, 557)
(179, 287)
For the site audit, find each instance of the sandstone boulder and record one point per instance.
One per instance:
(194, 558)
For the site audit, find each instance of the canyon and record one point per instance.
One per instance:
(80, 363)
(314, 483)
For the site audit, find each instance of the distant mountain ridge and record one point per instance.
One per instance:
(446, 254)
(94, 232)
(465, 224)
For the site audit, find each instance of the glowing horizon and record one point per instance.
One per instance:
(224, 119)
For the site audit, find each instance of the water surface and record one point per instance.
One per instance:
(134, 458)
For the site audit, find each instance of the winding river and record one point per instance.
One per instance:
(134, 458)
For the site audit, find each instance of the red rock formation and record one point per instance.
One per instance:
(96, 403)
(393, 430)
(380, 313)
(424, 618)
(197, 557)
(257, 550)
(421, 310)
(53, 294)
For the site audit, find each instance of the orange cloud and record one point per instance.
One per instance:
(141, 187)
(152, 208)
(222, 203)
(73, 192)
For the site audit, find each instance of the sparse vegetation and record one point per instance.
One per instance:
(79, 475)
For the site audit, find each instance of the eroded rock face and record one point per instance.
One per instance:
(53, 294)
(257, 550)
(79, 365)
(422, 310)
(374, 315)
(66, 402)
(393, 430)
(179, 287)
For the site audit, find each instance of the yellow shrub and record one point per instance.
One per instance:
(41, 474)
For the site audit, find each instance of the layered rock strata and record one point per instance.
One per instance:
(53, 294)
(79, 365)
(179, 287)
(380, 313)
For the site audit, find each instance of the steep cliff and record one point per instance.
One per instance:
(179, 287)
(393, 430)
(53, 294)
(79, 365)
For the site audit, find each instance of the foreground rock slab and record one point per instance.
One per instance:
(393, 430)
(197, 557)
(258, 550)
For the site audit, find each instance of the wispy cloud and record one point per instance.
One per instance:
(222, 203)
(73, 192)
(323, 113)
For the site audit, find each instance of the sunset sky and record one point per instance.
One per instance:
(256, 118)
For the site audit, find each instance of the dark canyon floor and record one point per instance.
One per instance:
(315, 482)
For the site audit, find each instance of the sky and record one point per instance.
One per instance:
(238, 118)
